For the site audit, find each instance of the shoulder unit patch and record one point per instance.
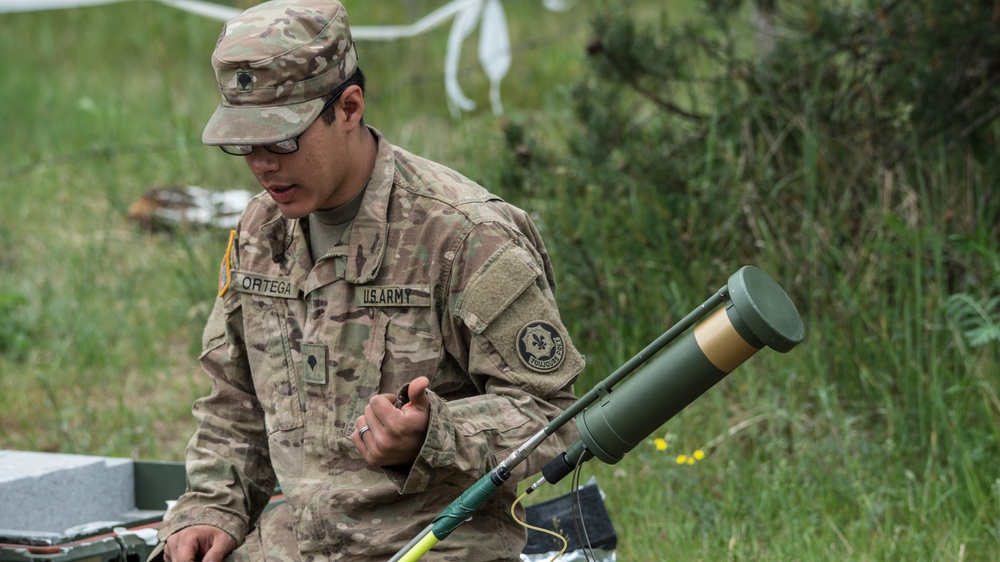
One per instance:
(540, 346)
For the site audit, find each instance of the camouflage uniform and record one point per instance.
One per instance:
(436, 277)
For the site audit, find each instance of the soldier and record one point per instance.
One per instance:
(385, 329)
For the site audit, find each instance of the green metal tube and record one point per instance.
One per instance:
(638, 359)
(758, 313)
(664, 387)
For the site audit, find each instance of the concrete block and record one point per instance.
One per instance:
(52, 496)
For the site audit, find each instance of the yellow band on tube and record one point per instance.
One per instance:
(721, 343)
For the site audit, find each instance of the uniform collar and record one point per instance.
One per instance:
(371, 226)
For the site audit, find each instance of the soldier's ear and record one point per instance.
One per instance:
(352, 103)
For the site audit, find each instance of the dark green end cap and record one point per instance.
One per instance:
(765, 309)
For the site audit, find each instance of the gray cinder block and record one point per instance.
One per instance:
(52, 495)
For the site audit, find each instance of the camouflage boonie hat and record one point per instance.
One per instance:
(274, 62)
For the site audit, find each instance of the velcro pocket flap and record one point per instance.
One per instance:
(504, 276)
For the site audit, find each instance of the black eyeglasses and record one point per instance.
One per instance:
(286, 146)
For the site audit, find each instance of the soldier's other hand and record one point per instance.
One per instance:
(395, 435)
(199, 542)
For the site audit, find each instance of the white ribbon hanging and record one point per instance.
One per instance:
(494, 37)
(465, 24)
(494, 50)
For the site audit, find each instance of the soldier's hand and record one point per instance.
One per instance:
(395, 435)
(203, 543)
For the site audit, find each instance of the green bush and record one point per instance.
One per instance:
(851, 151)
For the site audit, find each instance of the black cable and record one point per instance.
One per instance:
(577, 508)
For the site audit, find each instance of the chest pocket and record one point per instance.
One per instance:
(410, 352)
(369, 350)
(374, 352)
(269, 351)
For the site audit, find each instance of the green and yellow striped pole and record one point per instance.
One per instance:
(454, 515)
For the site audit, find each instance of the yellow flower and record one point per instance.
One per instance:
(682, 459)
(699, 454)
(661, 445)
(690, 460)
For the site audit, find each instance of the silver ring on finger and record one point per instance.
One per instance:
(361, 432)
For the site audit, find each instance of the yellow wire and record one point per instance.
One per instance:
(539, 529)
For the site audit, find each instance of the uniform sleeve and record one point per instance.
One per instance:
(229, 476)
(503, 324)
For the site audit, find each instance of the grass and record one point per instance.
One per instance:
(876, 439)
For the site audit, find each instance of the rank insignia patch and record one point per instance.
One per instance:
(540, 346)
(244, 81)
(314, 363)
(225, 272)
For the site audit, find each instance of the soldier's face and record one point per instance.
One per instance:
(322, 174)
